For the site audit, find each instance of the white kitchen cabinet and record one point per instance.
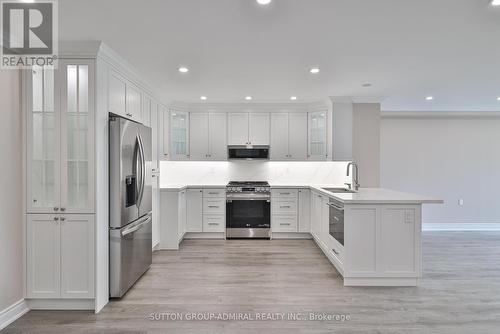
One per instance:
(117, 94)
(248, 129)
(182, 214)
(194, 210)
(217, 136)
(208, 139)
(155, 137)
(258, 128)
(279, 136)
(179, 139)
(317, 145)
(214, 223)
(77, 256)
(289, 136)
(199, 134)
(297, 136)
(60, 139)
(147, 106)
(360, 232)
(316, 213)
(43, 256)
(286, 223)
(60, 256)
(163, 132)
(304, 223)
(134, 102)
(237, 128)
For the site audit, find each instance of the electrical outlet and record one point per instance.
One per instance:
(461, 202)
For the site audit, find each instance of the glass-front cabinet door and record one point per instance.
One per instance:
(42, 141)
(77, 136)
(179, 127)
(317, 136)
(60, 138)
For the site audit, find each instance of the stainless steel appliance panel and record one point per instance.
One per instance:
(145, 204)
(130, 255)
(123, 174)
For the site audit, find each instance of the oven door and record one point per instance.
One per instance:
(245, 213)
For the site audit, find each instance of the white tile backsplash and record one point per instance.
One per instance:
(275, 172)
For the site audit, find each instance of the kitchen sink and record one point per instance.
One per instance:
(340, 190)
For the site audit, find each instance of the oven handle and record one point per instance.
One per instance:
(335, 206)
(267, 199)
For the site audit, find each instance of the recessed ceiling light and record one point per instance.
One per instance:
(263, 2)
(183, 69)
(248, 98)
(495, 2)
(498, 98)
(314, 70)
(293, 98)
(203, 98)
(429, 98)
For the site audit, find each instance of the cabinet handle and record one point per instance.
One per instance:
(284, 193)
(212, 193)
(63, 219)
(284, 223)
(153, 175)
(56, 208)
(213, 223)
(336, 253)
(63, 209)
(56, 218)
(285, 207)
(213, 206)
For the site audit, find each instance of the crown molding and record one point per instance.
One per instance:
(441, 114)
(247, 107)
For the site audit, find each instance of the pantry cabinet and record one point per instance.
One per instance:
(248, 129)
(60, 138)
(60, 256)
(289, 136)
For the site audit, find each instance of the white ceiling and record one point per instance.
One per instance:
(407, 50)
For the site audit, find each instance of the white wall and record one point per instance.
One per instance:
(275, 172)
(450, 158)
(11, 288)
(366, 142)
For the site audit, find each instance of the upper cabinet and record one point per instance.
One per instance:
(248, 129)
(208, 138)
(179, 139)
(317, 148)
(124, 98)
(289, 136)
(163, 132)
(60, 139)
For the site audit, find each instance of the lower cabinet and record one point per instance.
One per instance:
(291, 210)
(182, 215)
(304, 211)
(194, 206)
(214, 223)
(59, 256)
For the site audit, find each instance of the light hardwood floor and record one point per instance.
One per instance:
(459, 292)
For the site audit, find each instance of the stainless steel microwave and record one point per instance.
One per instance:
(248, 152)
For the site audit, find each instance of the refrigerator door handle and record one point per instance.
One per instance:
(143, 168)
(136, 227)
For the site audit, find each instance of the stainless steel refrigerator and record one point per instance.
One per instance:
(130, 203)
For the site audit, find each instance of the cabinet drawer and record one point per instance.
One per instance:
(284, 224)
(214, 206)
(334, 247)
(217, 193)
(284, 193)
(284, 207)
(214, 223)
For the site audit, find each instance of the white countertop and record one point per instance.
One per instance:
(362, 196)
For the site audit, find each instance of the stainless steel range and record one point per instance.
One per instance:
(248, 210)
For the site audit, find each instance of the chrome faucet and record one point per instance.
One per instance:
(356, 175)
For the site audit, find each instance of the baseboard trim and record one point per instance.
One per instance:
(12, 313)
(461, 226)
(61, 304)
